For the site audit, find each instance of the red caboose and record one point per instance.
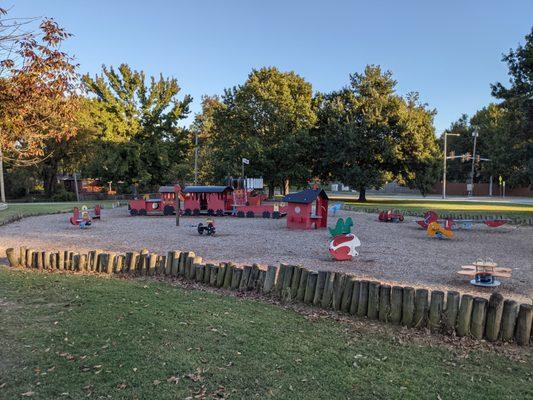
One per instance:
(307, 209)
(213, 200)
(165, 204)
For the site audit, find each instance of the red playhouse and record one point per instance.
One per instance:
(307, 209)
(165, 204)
(213, 200)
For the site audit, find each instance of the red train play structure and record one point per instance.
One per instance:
(242, 199)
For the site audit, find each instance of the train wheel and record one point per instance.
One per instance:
(196, 212)
(210, 212)
(134, 212)
(266, 214)
(201, 228)
(220, 213)
(240, 214)
(250, 214)
(187, 212)
(168, 210)
(275, 215)
(143, 212)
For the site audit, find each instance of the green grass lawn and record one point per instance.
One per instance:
(518, 212)
(29, 209)
(72, 336)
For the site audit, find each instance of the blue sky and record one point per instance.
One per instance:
(449, 51)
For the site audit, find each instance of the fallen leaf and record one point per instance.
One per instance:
(173, 379)
(157, 382)
(28, 394)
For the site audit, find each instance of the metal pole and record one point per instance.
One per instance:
(196, 157)
(473, 162)
(242, 169)
(2, 191)
(76, 187)
(444, 168)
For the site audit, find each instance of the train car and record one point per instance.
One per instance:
(164, 204)
(210, 200)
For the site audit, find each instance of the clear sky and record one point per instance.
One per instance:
(449, 51)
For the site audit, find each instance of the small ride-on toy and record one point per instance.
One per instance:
(208, 228)
(390, 216)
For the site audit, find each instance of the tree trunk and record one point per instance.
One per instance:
(270, 190)
(286, 187)
(362, 194)
(2, 190)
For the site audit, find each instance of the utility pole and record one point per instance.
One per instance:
(475, 135)
(196, 157)
(2, 192)
(446, 134)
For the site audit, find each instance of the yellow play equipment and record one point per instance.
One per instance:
(436, 230)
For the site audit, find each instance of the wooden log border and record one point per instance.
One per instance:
(449, 313)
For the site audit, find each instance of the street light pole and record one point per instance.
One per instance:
(446, 134)
(196, 157)
(475, 134)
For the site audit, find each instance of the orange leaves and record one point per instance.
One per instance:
(38, 92)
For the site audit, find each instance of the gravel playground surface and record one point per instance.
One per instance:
(400, 253)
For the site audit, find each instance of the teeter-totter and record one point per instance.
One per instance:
(84, 218)
(453, 224)
(484, 273)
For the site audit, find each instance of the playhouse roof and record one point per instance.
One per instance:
(207, 189)
(305, 196)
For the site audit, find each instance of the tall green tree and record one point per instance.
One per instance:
(137, 124)
(368, 135)
(514, 152)
(266, 120)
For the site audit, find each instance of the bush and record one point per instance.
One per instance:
(64, 196)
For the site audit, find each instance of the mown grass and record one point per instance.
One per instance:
(518, 212)
(29, 209)
(72, 336)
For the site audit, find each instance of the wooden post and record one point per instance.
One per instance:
(421, 308)
(327, 297)
(182, 264)
(221, 274)
(302, 285)
(339, 285)
(436, 307)
(152, 261)
(280, 278)
(523, 324)
(494, 317)
(319, 287)
(396, 304)
(354, 302)
(83, 262)
(310, 286)
(213, 275)
(384, 303)
(178, 262)
(477, 324)
(509, 314)
(189, 270)
(287, 279)
(76, 262)
(199, 270)
(362, 306)
(270, 278)
(169, 262)
(246, 272)
(39, 260)
(408, 306)
(295, 281)
(207, 274)
(13, 260)
(53, 261)
(260, 281)
(235, 278)
(22, 256)
(228, 276)
(464, 316)
(46, 260)
(373, 300)
(254, 276)
(452, 309)
(61, 260)
(347, 294)
(70, 264)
